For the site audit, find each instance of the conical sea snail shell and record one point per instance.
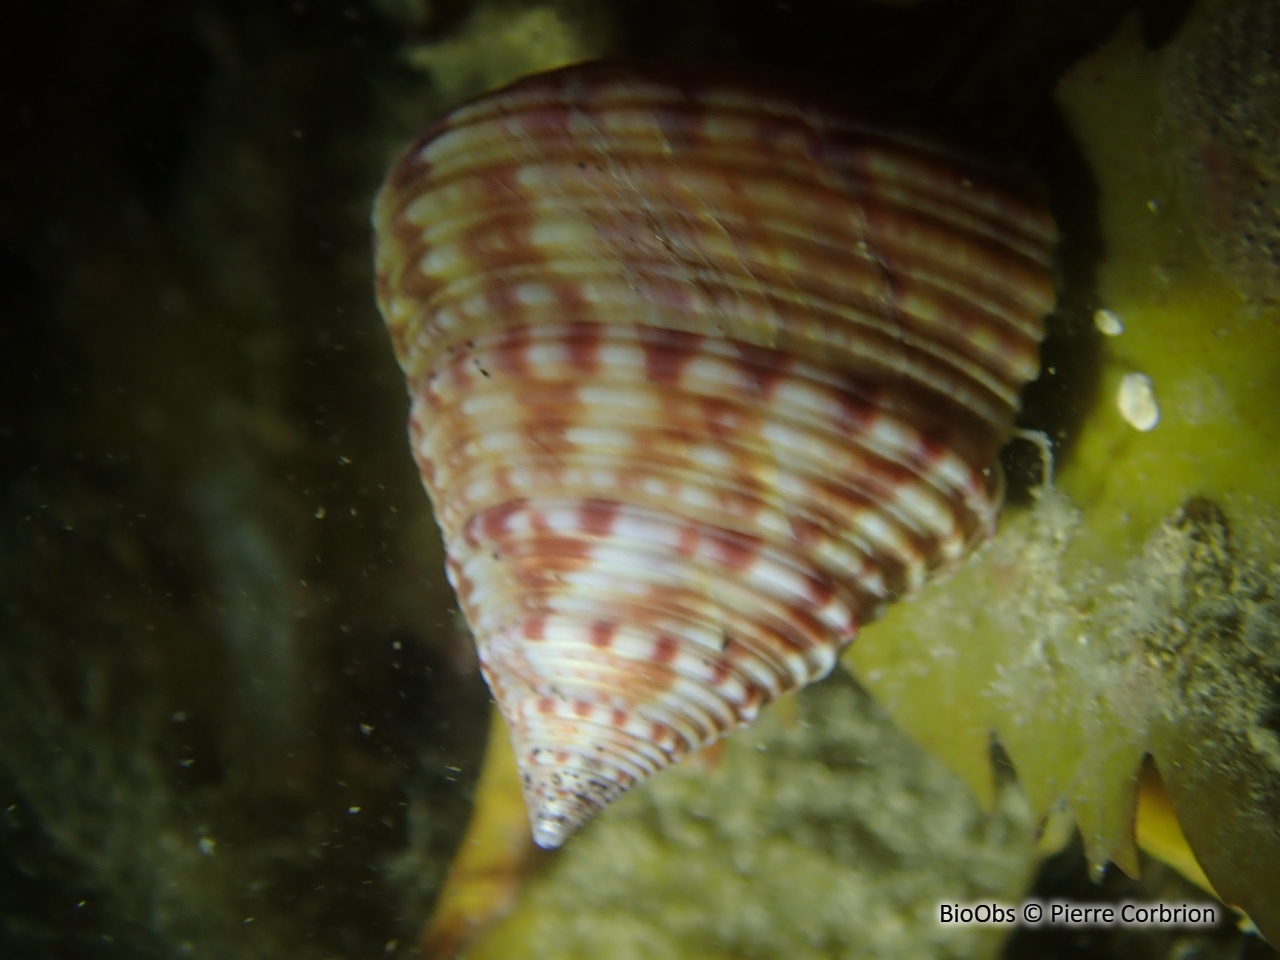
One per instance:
(704, 371)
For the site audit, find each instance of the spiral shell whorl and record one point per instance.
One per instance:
(704, 373)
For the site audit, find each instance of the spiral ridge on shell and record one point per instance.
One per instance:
(705, 370)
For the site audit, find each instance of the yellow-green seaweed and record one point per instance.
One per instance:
(1131, 608)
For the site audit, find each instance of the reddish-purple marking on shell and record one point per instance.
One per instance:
(705, 371)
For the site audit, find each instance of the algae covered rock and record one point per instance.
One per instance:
(821, 834)
(1222, 93)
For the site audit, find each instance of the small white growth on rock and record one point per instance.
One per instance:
(1137, 401)
(1107, 322)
